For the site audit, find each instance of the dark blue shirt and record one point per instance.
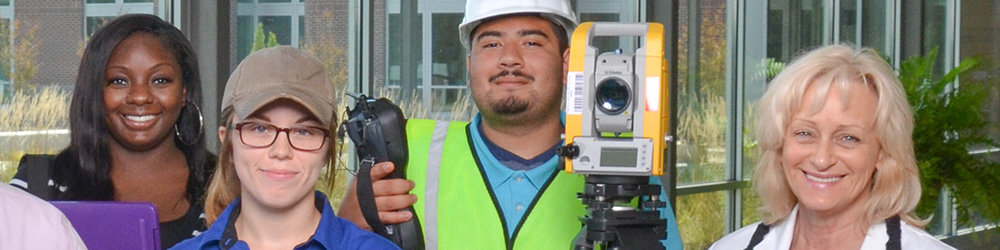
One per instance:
(332, 233)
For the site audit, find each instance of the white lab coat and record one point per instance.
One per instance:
(780, 237)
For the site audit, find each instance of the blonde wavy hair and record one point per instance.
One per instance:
(895, 186)
(225, 185)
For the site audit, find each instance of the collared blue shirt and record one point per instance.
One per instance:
(515, 189)
(332, 233)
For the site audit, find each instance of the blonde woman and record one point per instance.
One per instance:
(276, 135)
(837, 169)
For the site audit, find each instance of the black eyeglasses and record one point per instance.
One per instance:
(260, 135)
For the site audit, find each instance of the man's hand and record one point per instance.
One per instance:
(390, 195)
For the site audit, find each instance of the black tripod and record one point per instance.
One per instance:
(612, 222)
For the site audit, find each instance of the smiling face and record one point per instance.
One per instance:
(143, 93)
(516, 68)
(830, 156)
(278, 176)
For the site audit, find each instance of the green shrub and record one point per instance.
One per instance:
(948, 123)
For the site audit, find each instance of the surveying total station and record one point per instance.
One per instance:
(617, 119)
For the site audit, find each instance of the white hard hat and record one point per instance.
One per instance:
(557, 11)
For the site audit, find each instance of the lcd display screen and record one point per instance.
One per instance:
(619, 157)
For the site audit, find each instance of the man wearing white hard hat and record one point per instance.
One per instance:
(493, 183)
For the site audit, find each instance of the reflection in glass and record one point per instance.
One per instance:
(245, 28)
(4, 78)
(700, 218)
(701, 129)
(281, 26)
(873, 26)
(95, 22)
(793, 26)
(849, 21)
(448, 67)
(396, 47)
(935, 32)
(979, 38)
(453, 103)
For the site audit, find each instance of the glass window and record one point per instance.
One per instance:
(935, 32)
(245, 28)
(793, 26)
(701, 84)
(95, 22)
(280, 26)
(979, 39)
(874, 21)
(397, 47)
(700, 218)
(448, 67)
(5, 41)
(285, 19)
(4, 2)
(702, 127)
(448, 72)
(96, 12)
(749, 202)
(849, 23)
(117, 1)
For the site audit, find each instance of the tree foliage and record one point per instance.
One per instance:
(17, 55)
(262, 40)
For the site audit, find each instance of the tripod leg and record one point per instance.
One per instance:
(638, 238)
(580, 242)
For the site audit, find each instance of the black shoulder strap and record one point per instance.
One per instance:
(893, 228)
(366, 197)
(758, 235)
(33, 173)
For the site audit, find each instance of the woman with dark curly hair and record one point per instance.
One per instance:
(136, 131)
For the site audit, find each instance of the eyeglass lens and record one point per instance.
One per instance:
(257, 134)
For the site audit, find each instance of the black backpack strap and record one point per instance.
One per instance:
(758, 235)
(33, 175)
(893, 228)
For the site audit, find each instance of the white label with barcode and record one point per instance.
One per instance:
(574, 93)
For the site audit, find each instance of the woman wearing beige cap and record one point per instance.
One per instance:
(277, 134)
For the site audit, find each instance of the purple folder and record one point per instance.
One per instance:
(114, 225)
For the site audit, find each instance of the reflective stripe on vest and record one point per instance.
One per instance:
(458, 203)
(431, 191)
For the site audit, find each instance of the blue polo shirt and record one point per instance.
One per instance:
(515, 181)
(332, 233)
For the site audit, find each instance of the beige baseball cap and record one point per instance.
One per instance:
(280, 72)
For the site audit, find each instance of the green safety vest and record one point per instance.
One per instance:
(455, 204)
